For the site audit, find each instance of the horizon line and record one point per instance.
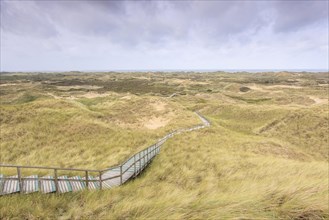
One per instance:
(180, 70)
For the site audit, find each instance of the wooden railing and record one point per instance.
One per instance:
(138, 161)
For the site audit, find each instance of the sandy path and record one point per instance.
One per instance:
(318, 101)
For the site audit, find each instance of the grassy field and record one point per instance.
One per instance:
(264, 157)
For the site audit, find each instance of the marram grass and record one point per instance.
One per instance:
(265, 159)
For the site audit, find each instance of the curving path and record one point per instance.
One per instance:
(104, 179)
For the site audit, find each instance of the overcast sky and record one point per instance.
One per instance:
(135, 35)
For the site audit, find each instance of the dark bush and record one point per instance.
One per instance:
(244, 89)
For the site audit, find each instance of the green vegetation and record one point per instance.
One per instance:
(265, 155)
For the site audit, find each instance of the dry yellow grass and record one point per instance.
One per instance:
(264, 157)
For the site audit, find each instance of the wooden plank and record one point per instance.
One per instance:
(111, 176)
(126, 176)
(128, 165)
(92, 184)
(106, 184)
(30, 186)
(111, 183)
(64, 184)
(112, 173)
(11, 186)
(77, 185)
(47, 186)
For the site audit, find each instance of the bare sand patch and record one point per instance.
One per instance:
(8, 84)
(258, 88)
(268, 89)
(285, 86)
(21, 84)
(318, 101)
(187, 82)
(88, 95)
(91, 95)
(156, 122)
(61, 97)
(90, 87)
(150, 122)
(159, 106)
(217, 96)
(127, 97)
(160, 120)
(283, 74)
(143, 77)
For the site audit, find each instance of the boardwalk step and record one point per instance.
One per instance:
(76, 184)
(111, 182)
(47, 186)
(92, 184)
(64, 184)
(126, 176)
(10, 185)
(106, 185)
(30, 184)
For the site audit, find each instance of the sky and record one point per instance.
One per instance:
(147, 35)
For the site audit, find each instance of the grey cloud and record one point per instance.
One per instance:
(135, 22)
(294, 15)
(25, 18)
(176, 33)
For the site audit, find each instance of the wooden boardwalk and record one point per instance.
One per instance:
(104, 179)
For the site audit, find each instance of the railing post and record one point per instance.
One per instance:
(143, 159)
(100, 180)
(140, 162)
(56, 181)
(87, 179)
(121, 174)
(39, 182)
(20, 179)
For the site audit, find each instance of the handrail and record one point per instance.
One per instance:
(149, 153)
(43, 178)
(46, 168)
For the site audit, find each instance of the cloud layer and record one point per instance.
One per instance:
(107, 35)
